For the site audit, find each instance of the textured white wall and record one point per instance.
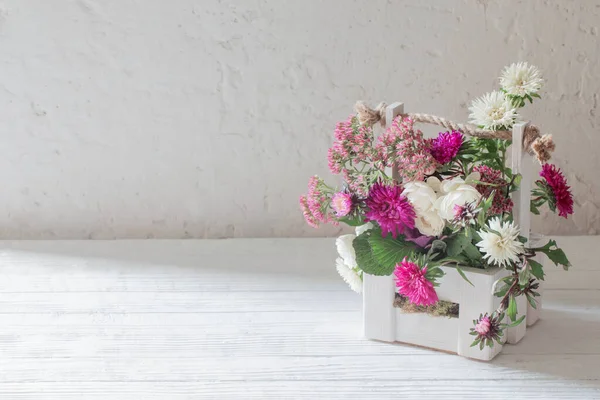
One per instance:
(187, 118)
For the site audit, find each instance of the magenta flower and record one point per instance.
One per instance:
(412, 283)
(389, 209)
(341, 203)
(483, 326)
(496, 183)
(445, 147)
(561, 191)
(487, 329)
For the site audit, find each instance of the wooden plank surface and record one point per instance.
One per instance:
(255, 319)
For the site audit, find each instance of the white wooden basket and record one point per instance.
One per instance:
(383, 321)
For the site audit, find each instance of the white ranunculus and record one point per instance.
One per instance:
(420, 195)
(363, 228)
(429, 223)
(455, 192)
(435, 184)
(423, 198)
(346, 250)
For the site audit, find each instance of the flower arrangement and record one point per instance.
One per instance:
(447, 201)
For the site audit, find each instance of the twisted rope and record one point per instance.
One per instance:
(536, 144)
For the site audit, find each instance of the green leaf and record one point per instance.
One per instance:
(457, 244)
(365, 259)
(532, 301)
(472, 253)
(433, 274)
(377, 255)
(533, 208)
(462, 274)
(511, 311)
(515, 323)
(502, 291)
(388, 250)
(353, 220)
(555, 254)
(537, 269)
(524, 276)
(559, 257)
(437, 247)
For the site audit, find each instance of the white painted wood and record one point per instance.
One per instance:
(250, 339)
(383, 322)
(391, 112)
(521, 164)
(534, 313)
(379, 319)
(424, 330)
(497, 389)
(475, 300)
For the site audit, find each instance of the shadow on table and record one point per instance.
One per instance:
(310, 259)
(562, 345)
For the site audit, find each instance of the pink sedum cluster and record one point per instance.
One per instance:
(408, 149)
(352, 145)
(412, 282)
(314, 205)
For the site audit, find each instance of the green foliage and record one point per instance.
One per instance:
(511, 311)
(555, 254)
(537, 269)
(364, 257)
(377, 255)
(353, 220)
(461, 244)
(456, 244)
(462, 274)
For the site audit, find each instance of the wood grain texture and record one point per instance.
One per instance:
(255, 319)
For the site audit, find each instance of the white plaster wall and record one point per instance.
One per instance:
(183, 118)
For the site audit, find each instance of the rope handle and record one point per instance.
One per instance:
(536, 144)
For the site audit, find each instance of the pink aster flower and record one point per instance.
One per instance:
(392, 211)
(341, 203)
(445, 147)
(482, 327)
(487, 329)
(412, 283)
(561, 191)
(502, 202)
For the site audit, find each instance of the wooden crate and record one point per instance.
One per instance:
(382, 321)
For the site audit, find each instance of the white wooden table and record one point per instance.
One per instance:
(255, 319)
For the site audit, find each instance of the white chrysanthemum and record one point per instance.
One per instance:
(502, 247)
(346, 250)
(521, 79)
(349, 275)
(363, 228)
(493, 111)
